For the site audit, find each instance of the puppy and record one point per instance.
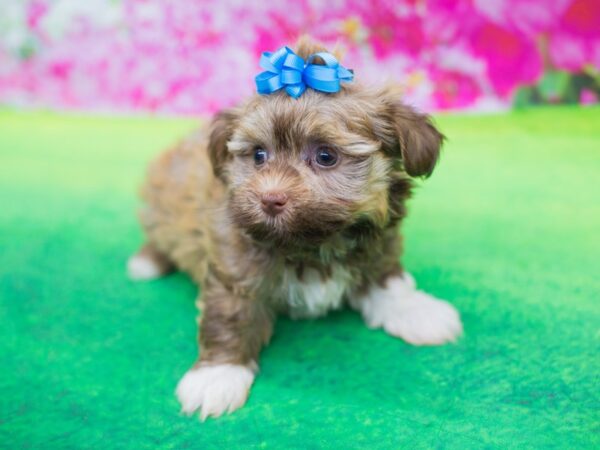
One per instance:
(290, 205)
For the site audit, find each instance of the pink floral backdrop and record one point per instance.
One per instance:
(197, 56)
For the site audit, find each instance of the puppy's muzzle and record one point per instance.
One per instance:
(273, 203)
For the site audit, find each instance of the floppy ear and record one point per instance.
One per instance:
(410, 135)
(221, 130)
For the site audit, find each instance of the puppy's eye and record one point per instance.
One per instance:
(326, 157)
(260, 156)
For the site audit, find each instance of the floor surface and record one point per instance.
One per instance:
(507, 229)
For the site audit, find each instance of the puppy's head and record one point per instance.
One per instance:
(300, 170)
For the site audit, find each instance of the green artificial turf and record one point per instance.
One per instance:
(508, 229)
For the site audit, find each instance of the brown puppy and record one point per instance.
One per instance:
(290, 206)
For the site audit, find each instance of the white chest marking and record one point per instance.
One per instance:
(311, 295)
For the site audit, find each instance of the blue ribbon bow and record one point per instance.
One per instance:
(285, 69)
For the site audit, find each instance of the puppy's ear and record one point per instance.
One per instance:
(409, 134)
(221, 130)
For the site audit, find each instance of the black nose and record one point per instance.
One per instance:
(273, 203)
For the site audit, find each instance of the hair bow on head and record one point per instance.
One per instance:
(285, 69)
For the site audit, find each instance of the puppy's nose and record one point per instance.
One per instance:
(273, 203)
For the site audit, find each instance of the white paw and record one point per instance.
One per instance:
(415, 316)
(140, 267)
(214, 389)
(424, 320)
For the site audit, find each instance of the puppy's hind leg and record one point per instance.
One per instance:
(148, 264)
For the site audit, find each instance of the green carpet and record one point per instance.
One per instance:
(508, 229)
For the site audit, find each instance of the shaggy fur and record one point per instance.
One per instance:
(290, 235)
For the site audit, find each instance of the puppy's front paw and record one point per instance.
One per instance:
(412, 315)
(214, 389)
(424, 320)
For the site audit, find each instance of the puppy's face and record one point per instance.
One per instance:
(300, 170)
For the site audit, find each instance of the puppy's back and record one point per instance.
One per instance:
(179, 193)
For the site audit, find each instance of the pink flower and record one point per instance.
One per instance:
(530, 17)
(195, 56)
(453, 89)
(35, 11)
(511, 57)
(572, 26)
(575, 40)
(588, 97)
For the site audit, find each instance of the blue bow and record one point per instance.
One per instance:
(284, 68)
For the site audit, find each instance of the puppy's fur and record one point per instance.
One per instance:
(334, 240)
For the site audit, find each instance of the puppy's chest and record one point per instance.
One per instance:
(312, 293)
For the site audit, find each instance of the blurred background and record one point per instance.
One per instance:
(197, 56)
(506, 229)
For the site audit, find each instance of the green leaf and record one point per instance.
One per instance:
(553, 85)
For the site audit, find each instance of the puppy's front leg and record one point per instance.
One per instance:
(405, 312)
(233, 329)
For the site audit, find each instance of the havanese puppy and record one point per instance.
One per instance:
(290, 204)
